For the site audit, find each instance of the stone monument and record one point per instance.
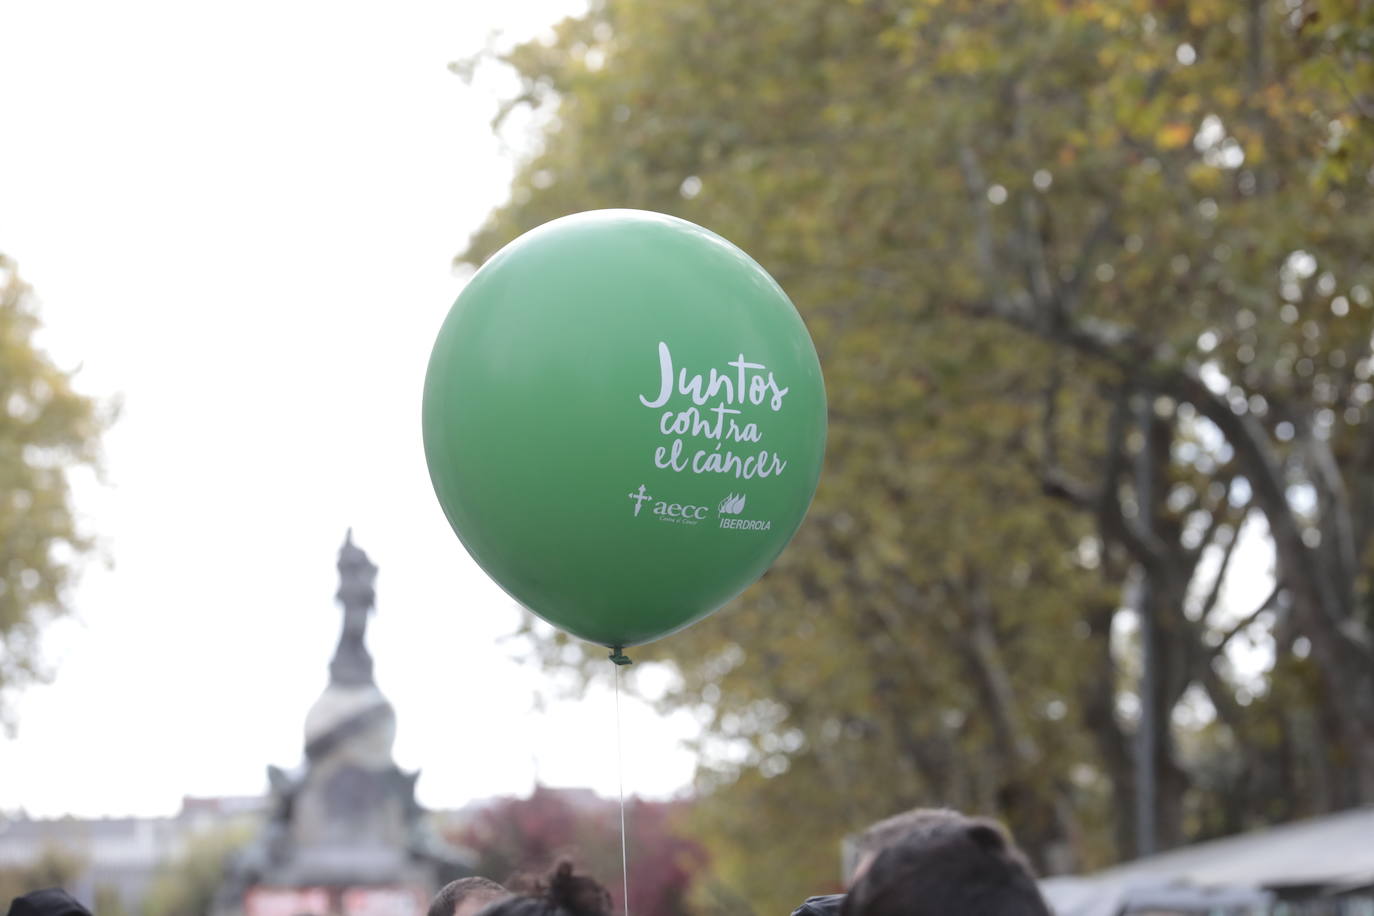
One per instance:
(345, 835)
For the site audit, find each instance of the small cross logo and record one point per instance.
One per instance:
(639, 497)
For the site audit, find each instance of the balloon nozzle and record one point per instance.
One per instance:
(619, 657)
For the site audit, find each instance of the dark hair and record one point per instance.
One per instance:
(956, 865)
(562, 893)
(884, 833)
(455, 892)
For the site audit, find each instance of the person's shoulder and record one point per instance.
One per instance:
(829, 905)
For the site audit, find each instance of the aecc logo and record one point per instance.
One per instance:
(681, 513)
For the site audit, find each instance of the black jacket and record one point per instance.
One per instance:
(829, 905)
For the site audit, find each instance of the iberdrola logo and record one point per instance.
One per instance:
(732, 504)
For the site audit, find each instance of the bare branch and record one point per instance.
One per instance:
(1256, 458)
(1057, 484)
(1047, 423)
(1230, 551)
(1335, 508)
(1362, 502)
(1364, 108)
(1218, 517)
(1122, 348)
(1143, 544)
(1039, 278)
(1223, 697)
(978, 191)
(1073, 289)
(1245, 623)
(984, 655)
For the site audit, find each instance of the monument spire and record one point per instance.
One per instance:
(352, 665)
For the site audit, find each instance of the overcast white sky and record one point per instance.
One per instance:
(239, 218)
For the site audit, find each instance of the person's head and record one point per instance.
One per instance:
(884, 833)
(51, 901)
(954, 865)
(562, 893)
(466, 896)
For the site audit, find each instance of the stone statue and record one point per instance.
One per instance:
(348, 818)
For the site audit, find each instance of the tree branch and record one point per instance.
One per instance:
(984, 655)
(1130, 353)
(1039, 279)
(1362, 502)
(1334, 504)
(1255, 456)
(984, 242)
(1244, 623)
(1219, 517)
(1230, 551)
(1073, 288)
(1132, 531)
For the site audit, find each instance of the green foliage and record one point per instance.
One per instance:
(1016, 230)
(108, 901)
(186, 886)
(46, 429)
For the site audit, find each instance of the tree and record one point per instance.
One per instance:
(46, 429)
(1091, 286)
(1219, 321)
(54, 867)
(186, 885)
(109, 901)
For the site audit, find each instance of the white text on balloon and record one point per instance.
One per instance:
(743, 386)
(745, 467)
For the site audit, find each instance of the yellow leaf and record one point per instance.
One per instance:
(1172, 136)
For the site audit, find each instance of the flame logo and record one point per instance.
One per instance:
(732, 504)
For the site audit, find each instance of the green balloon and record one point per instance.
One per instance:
(624, 420)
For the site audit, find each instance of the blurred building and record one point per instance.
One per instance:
(122, 855)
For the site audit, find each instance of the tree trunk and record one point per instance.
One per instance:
(1099, 716)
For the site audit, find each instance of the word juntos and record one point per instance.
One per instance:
(740, 384)
(704, 388)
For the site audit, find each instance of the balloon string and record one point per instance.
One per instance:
(620, 769)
